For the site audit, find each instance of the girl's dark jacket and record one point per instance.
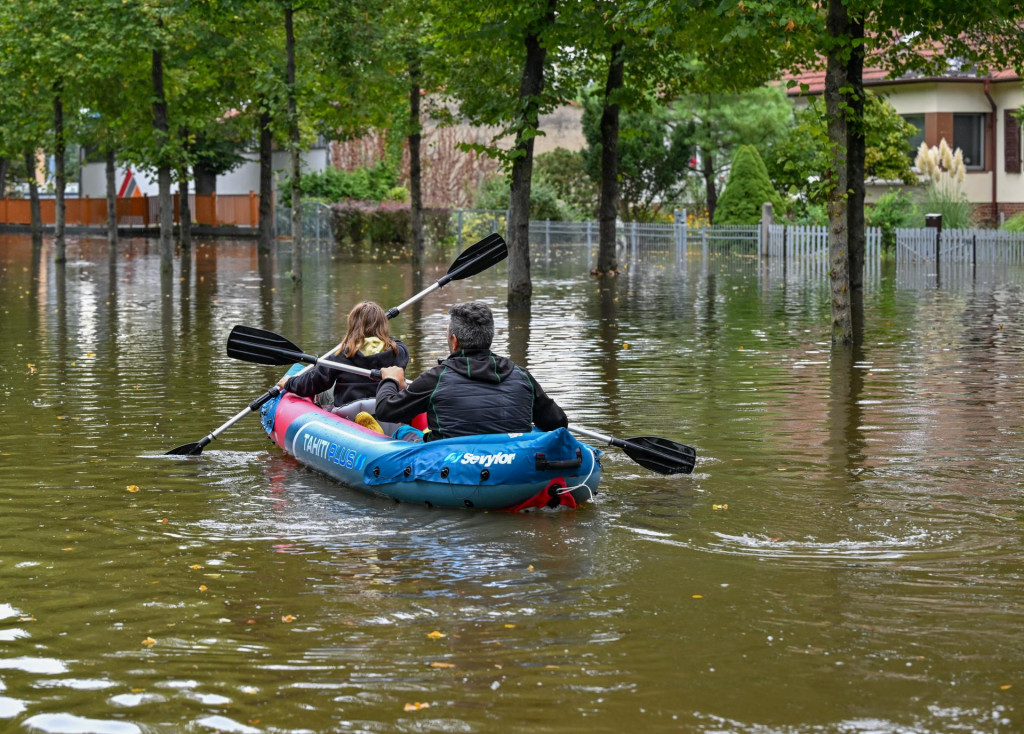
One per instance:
(347, 386)
(471, 392)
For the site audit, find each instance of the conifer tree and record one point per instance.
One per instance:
(746, 190)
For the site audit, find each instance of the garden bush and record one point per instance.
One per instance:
(386, 223)
(746, 190)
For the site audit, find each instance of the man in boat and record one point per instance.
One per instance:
(473, 391)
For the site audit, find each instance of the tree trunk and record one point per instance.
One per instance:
(608, 209)
(520, 288)
(415, 174)
(60, 179)
(707, 166)
(4, 165)
(836, 101)
(184, 213)
(856, 153)
(111, 175)
(35, 208)
(164, 201)
(265, 235)
(205, 180)
(293, 147)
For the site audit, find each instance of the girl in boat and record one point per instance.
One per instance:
(368, 344)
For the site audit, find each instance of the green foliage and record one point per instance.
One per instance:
(378, 183)
(383, 223)
(655, 149)
(565, 172)
(799, 157)
(544, 200)
(956, 211)
(891, 211)
(747, 189)
(1014, 223)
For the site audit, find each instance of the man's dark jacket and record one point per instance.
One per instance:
(471, 392)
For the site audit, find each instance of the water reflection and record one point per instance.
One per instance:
(848, 511)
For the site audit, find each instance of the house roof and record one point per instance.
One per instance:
(876, 75)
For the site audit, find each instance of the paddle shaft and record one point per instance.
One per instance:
(657, 454)
(474, 259)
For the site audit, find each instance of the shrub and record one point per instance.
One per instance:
(385, 223)
(746, 190)
(1015, 223)
(544, 201)
(379, 183)
(892, 210)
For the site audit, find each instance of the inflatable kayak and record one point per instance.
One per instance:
(511, 472)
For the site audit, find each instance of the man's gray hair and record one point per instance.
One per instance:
(472, 324)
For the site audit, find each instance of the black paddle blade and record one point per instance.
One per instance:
(260, 346)
(659, 454)
(189, 449)
(489, 251)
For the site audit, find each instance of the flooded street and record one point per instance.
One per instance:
(846, 557)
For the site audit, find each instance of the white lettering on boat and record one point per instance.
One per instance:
(332, 452)
(487, 459)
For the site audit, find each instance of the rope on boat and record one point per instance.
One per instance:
(583, 484)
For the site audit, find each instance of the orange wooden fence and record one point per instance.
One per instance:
(234, 210)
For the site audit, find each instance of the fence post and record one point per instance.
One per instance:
(763, 237)
(635, 244)
(547, 240)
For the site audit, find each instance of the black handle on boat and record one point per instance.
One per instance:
(651, 452)
(542, 464)
(474, 259)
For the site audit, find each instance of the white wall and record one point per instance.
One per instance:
(242, 180)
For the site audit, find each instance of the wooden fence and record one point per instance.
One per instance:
(236, 210)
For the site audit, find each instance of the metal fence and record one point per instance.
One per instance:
(317, 221)
(803, 251)
(975, 246)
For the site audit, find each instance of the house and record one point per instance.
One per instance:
(975, 113)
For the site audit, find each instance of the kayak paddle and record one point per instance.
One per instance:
(474, 259)
(259, 346)
(650, 452)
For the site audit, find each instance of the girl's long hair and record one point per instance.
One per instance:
(367, 319)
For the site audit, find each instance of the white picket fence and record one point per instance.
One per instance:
(974, 246)
(802, 250)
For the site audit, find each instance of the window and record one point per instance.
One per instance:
(1011, 141)
(917, 138)
(969, 136)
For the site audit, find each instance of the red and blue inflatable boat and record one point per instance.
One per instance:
(510, 472)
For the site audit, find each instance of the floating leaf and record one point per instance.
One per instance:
(288, 618)
(435, 635)
(416, 706)
(149, 642)
(442, 665)
(202, 587)
(698, 596)
(195, 566)
(510, 626)
(132, 488)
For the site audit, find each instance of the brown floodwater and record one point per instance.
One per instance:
(846, 556)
